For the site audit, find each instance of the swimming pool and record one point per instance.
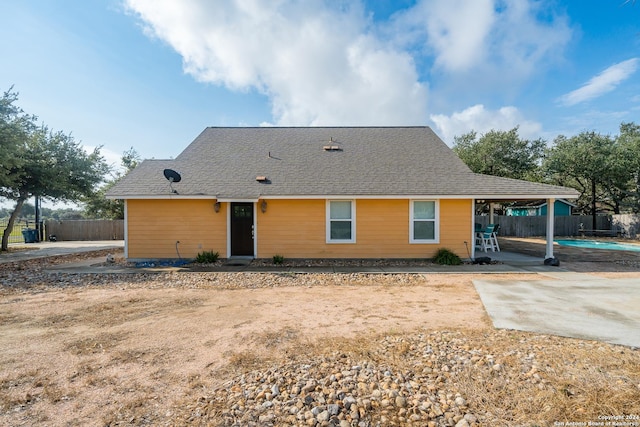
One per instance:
(596, 244)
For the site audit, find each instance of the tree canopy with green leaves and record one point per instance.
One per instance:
(15, 126)
(37, 161)
(585, 162)
(501, 153)
(605, 169)
(97, 205)
(629, 157)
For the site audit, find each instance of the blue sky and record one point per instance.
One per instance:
(152, 74)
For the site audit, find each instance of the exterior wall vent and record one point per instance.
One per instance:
(331, 146)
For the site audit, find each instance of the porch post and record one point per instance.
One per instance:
(126, 229)
(550, 223)
(491, 214)
(473, 229)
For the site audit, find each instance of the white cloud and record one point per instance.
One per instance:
(456, 30)
(323, 62)
(510, 39)
(318, 65)
(604, 82)
(481, 120)
(527, 35)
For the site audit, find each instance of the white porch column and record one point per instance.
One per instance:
(126, 229)
(550, 223)
(473, 229)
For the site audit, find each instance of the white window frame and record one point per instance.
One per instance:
(436, 221)
(353, 221)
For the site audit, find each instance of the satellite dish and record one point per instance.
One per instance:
(172, 176)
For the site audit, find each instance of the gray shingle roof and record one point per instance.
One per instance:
(372, 161)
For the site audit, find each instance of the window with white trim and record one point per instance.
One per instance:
(341, 216)
(423, 225)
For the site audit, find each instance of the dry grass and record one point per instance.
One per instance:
(27, 388)
(275, 338)
(245, 360)
(566, 380)
(29, 380)
(94, 344)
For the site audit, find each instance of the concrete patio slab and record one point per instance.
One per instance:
(303, 270)
(512, 258)
(49, 249)
(562, 274)
(595, 309)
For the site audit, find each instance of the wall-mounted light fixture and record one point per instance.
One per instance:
(263, 206)
(216, 207)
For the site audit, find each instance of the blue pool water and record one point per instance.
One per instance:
(595, 244)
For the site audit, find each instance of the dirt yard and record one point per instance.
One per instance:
(200, 348)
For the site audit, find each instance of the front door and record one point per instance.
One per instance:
(242, 229)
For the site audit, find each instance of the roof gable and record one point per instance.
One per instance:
(369, 161)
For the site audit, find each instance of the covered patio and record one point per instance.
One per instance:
(500, 254)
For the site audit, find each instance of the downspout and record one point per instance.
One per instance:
(550, 227)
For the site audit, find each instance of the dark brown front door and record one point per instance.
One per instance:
(241, 229)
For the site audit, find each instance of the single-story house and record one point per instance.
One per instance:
(539, 208)
(311, 192)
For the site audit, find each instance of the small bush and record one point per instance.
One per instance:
(445, 257)
(278, 259)
(207, 257)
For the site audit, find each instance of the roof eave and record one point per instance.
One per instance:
(524, 196)
(158, 196)
(479, 196)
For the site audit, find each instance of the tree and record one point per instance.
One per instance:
(501, 153)
(628, 143)
(97, 205)
(67, 213)
(15, 125)
(52, 165)
(585, 162)
(28, 211)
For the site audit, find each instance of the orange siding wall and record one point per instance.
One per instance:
(456, 226)
(297, 229)
(292, 228)
(154, 226)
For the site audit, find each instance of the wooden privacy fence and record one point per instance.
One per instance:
(627, 224)
(535, 226)
(85, 229)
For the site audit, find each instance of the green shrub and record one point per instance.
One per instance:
(445, 257)
(278, 259)
(207, 257)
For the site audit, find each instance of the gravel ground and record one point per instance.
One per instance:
(339, 390)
